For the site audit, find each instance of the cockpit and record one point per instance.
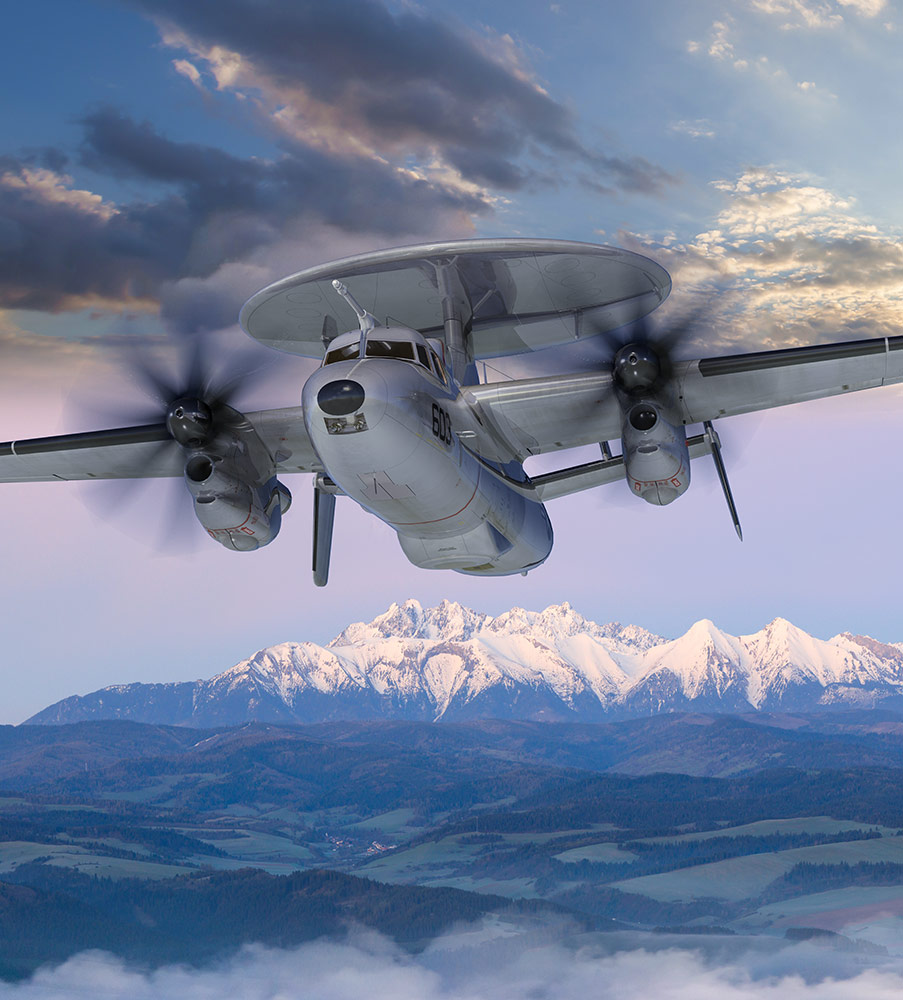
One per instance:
(388, 342)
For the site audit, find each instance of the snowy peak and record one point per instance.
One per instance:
(454, 663)
(451, 661)
(448, 620)
(556, 622)
(783, 655)
(705, 665)
(881, 650)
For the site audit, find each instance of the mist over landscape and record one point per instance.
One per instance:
(473, 963)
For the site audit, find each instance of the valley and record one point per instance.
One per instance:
(698, 823)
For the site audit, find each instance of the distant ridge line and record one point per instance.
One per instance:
(450, 662)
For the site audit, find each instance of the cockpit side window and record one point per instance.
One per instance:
(438, 366)
(346, 353)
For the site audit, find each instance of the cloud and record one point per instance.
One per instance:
(724, 43)
(493, 963)
(396, 126)
(801, 13)
(354, 77)
(786, 261)
(697, 128)
(817, 13)
(63, 248)
(211, 302)
(184, 68)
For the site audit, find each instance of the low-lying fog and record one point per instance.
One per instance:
(492, 961)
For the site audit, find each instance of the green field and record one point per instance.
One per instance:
(513, 888)
(737, 879)
(851, 899)
(423, 863)
(235, 864)
(767, 827)
(18, 852)
(607, 853)
(545, 838)
(149, 793)
(395, 822)
(252, 845)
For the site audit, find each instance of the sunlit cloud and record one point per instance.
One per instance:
(786, 261)
(67, 248)
(801, 13)
(817, 14)
(48, 186)
(187, 69)
(724, 44)
(447, 97)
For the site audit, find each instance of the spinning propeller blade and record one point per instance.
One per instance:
(191, 391)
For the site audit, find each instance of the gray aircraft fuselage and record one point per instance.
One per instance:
(389, 432)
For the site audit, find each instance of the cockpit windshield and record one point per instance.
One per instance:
(346, 353)
(400, 350)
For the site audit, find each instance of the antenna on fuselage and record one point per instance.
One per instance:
(366, 320)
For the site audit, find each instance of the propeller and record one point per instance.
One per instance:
(642, 354)
(191, 386)
(642, 360)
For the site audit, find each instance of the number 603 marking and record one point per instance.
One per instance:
(441, 424)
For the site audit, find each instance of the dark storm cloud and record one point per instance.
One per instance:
(58, 246)
(406, 78)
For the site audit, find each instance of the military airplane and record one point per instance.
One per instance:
(397, 418)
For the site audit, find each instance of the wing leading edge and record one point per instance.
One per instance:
(535, 416)
(146, 452)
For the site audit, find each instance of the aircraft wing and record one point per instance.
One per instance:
(144, 452)
(533, 416)
(741, 383)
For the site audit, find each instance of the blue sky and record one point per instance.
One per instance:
(161, 161)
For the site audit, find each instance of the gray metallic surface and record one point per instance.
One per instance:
(536, 416)
(324, 517)
(763, 360)
(190, 421)
(91, 439)
(565, 482)
(525, 294)
(144, 452)
(91, 460)
(733, 389)
(715, 443)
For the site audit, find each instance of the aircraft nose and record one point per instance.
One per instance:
(341, 397)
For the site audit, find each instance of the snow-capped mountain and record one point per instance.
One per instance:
(453, 663)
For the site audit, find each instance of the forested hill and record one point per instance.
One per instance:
(205, 915)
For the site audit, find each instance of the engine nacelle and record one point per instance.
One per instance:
(656, 458)
(238, 515)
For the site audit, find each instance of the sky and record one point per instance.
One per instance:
(162, 161)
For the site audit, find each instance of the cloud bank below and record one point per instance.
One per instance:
(494, 962)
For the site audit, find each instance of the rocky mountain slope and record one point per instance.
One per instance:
(453, 663)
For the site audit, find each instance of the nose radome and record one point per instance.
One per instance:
(340, 397)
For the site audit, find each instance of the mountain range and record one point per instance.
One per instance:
(452, 663)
